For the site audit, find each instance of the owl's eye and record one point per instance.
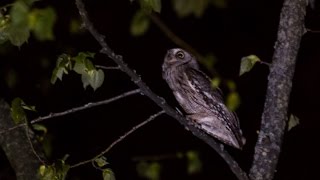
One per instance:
(180, 55)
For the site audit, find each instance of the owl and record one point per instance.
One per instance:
(202, 103)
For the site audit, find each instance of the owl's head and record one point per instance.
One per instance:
(176, 57)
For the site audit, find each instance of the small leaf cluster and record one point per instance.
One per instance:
(80, 64)
(21, 20)
(18, 107)
(107, 173)
(56, 171)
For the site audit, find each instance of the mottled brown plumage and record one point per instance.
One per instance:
(202, 103)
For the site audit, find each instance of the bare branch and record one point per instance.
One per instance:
(108, 68)
(121, 138)
(76, 109)
(86, 106)
(274, 117)
(157, 99)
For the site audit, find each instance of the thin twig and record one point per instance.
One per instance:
(121, 138)
(108, 68)
(233, 165)
(265, 63)
(76, 109)
(86, 106)
(31, 145)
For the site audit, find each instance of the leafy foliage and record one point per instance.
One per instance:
(107, 173)
(56, 171)
(82, 65)
(41, 22)
(22, 20)
(17, 110)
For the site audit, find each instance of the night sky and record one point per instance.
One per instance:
(242, 28)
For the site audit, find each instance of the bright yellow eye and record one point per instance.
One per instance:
(180, 55)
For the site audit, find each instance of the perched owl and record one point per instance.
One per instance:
(202, 103)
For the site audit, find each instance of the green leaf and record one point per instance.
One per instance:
(94, 78)
(83, 64)
(56, 171)
(98, 79)
(19, 13)
(17, 112)
(233, 101)
(40, 127)
(18, 35)
(247, 63)
(101, 161)
(79, 67)
(194, 163)
(140, 24)
(27, 107)
(84, 55)
(63, 65)
(4, 24)
(41, 22)
(149, 170)
(188, 7)
(108, 174)
(293, 121)
(18, 31)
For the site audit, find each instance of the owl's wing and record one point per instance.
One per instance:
(201, 80)
(213, 101)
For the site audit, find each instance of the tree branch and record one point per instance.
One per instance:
(274, 117)
(119, 139)
(157, 99)
(86, 106)
(73, 110)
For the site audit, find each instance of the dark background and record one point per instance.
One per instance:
(243, 28)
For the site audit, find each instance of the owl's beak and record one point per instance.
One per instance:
(169, 56)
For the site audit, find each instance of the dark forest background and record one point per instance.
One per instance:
(239, 29)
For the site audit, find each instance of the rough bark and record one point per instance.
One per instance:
(274, 117)
(17, 147)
